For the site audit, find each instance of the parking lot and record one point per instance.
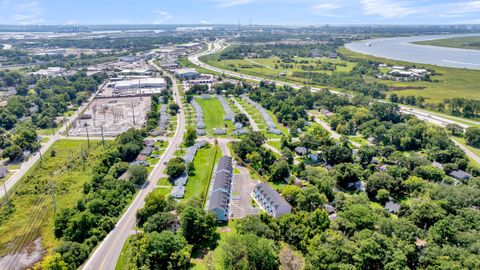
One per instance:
(241, 203)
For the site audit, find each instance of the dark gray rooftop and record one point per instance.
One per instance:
(271, 195)
(460, 175)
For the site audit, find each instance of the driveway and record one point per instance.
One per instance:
(242, 188)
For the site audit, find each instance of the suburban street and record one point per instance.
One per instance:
(220, 45)
(107, 253)
(25, 166)
(253, 124)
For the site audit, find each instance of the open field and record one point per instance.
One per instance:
(204, 160)
(450, 83)
(32, 215)
(272, 68)
(213, 114)
(457, 42)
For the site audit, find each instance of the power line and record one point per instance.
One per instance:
(21, 240)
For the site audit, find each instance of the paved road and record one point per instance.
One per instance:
(220, 45)
(468, 152)
(253, 124)
(25, 166)
(109, 250)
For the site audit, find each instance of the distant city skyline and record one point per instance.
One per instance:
(291, 12)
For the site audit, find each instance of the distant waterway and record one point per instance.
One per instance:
(402, 48)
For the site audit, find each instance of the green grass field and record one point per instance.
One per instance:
(213, 114)
(32, 214)
(271, 68)
(457, 42)
(204, 161)
(452, 82)
(275, 144)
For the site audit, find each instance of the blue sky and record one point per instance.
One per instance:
(301, 12)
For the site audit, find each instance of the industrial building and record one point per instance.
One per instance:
(270, 201)
(186, 73)
(141, 83)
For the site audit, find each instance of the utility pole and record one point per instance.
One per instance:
(88, 137)
(82, 154)
(133, 114)
(53, 196)
(103, 138)
(6, 194)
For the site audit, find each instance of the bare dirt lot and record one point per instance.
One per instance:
(114, 115)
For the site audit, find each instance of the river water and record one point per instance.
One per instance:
(402, 48)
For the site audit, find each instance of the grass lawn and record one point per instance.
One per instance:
(32, 214)
(47, 131)
(164, 182)
(456, 42)
(213, 114)
(275, 144)
(204, 160)
(450, 83)
(358, 139)
(124, 262)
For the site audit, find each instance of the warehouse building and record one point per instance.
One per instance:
(186, 73)
(141, 83)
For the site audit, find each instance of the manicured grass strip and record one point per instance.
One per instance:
(213, 115)
(125, 256)
(204, 162)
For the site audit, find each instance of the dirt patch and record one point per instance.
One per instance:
(224, 229)
(400, 88)
(23, 259)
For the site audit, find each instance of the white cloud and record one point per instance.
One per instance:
(204, 22)
(232, 3)
(389, 8)
(327, 6)
(163, 16)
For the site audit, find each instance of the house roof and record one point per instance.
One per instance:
(178, 192)
(218, 200)
(146, 151)
(181, 180)
(392, 207)
(460, 175)
(330, 209)
(221, 191)
(3, 171)
(271, 195)
(301, 150)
